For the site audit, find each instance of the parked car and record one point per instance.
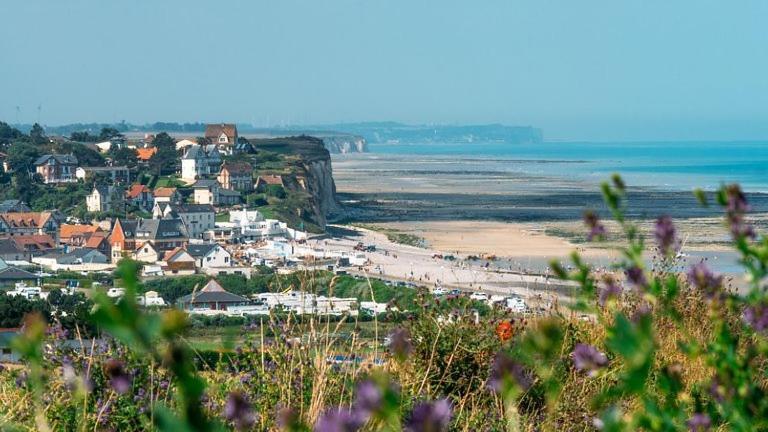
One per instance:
(479, 296)
(455, 292)
(439, 291)
(516, 304)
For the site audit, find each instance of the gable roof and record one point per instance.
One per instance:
(13, 273)
(271, 179)
(26, 219)
(59, 158)
(96, 240)
(200, 250)
(103, 190)
(14, 205)
(69, 230)
(212, 292)
(136, 190)
(35, 241)
(215, 130)
(145, 154)
(205, 184)
(237, 168)
(179, 251)
(158, 229)
(165, 192)
(128, 226)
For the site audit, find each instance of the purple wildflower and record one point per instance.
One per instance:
(666, 235)
(400, 343)
(505, 371)
(702, 278)
(118, 378)
(736, 207)
(756, 317)
(238, 410)
(588, 358)
(430, 416)
(368, 398)
(287, 418)
(610, 291)
(636, 276)
(596, 228)
(699, 422)
(339, 420)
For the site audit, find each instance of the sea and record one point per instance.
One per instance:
(672, 166)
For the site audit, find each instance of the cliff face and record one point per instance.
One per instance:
(310, 178)
(345, 143)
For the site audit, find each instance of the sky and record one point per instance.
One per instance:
(580, 70)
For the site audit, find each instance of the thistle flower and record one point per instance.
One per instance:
(610, 291)
(596, 228)
(736, 206)
(238, 410)
(702, 278)
(400, 343)
(506, 371)
(666, 235)
(430, 417)
(118, 378)
(368, 398)
(588, 358)
(636, 276)
(699, 422)
(338, 420)
(756, 317)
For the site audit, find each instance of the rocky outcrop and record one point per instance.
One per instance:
(311, 175)
(345, 143)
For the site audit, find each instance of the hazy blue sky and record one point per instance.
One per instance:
(585, 69)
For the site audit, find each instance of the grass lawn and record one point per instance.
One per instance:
(222, 217)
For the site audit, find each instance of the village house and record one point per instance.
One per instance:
(199, 161)
(140, 196)
(166, 195)
(236, 176)
(117, 174)
(265, 180)
(129, 234)
(63, 260)
(178, 262)
(145, 154)
(146, 253)
(56, 168)
(14, 206)
(11, 276)
(211, 297)
(35, 244)
(197, 218)
(22, 223)
(206, 192)
(209, 255)
(76, 235)
(223, 136)
(100, 199)
(11, 251)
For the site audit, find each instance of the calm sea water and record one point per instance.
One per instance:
(663, 165)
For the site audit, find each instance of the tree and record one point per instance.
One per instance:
(9, 134)
(21, 156)
(108, 133)
(83, 136)
(37, 134)
(164, 140)
(124, 157)
(164, 161)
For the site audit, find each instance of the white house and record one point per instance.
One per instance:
(199, 161)
(209, 255)
(100, 199)
(146, 253)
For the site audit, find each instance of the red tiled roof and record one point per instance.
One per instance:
(136, 190)
(145, 154)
